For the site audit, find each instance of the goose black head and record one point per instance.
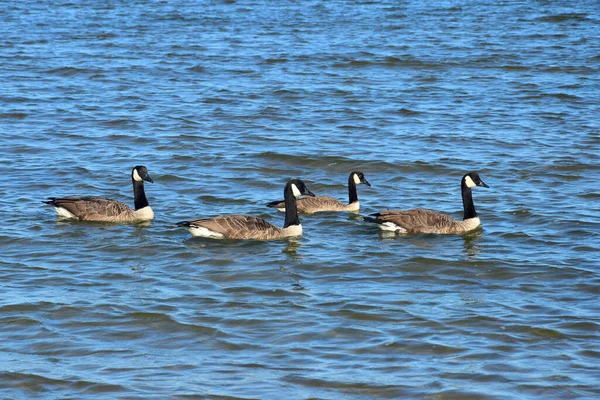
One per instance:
(299, 188)
(359, 178)
(472, 179)
(140, 173)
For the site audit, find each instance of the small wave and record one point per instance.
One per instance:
(406, 111)
(16, 99)
(41, 384)
(515, 67)
(106, 35)
(238, 71)
(352, 63)
(572, 69)
(563, 18)
(389, 391)
(172, 16)
(40, 41)
(68, 71)
(217, 100)
(313, 161)
(590, 196)
(411, 347)
(279, 60)
(14, 115)
(287, 294)
(590, 354)
(197, 68)
(581, 327)
(537, 332)
(169, 324)
(120, 123)
(362, 316)
(390, 61)
(560, 96)
(289, 95)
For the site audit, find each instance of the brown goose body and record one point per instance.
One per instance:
(247, 227)
(101, 209)
(310, 205)
(421, 220)
(238, 226)
(98, 209)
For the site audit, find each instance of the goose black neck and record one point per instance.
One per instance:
(352, 195)
(139, 196)
(468, 206)
(291, 209)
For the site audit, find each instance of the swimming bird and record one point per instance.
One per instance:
(420, 220)
(249, 227)
(310, 205)
(91, 208)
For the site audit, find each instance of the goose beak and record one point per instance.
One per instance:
(148, 179)
(483, 184)
(366, 182)
(307, 192)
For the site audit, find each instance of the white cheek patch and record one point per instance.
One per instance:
(136, 176)
(295, 191)
(357, 179)
(469, 182)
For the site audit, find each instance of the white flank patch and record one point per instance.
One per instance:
(356, 179)
(281, 209)
(293, 230)
(136, 176)
(295, 191)
(64, 213)
(200, 231)
(469, 182)
(355, 206)
(471, 223)
(144, 214)
(391, 227)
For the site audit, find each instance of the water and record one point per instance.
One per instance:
(226, 100)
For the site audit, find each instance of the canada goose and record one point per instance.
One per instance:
(421, 220)
(249, 227)
(309, 205)
(91, 208)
